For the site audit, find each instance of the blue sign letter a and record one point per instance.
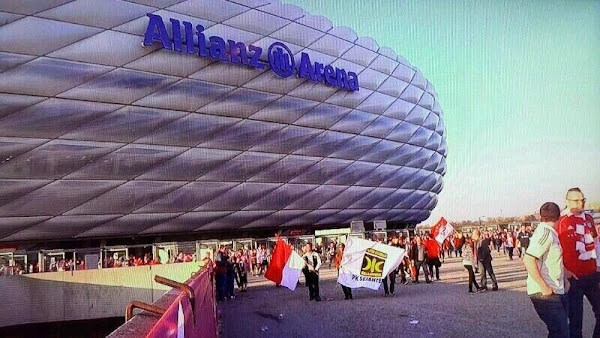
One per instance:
(156, 30)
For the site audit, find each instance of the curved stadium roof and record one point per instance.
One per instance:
(101, 137)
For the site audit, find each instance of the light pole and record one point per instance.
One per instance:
(480, 226)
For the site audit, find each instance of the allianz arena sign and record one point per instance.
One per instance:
(281, 59)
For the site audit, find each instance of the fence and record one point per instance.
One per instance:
(191, 313)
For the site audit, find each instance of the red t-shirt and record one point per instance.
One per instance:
(567, 225)
(433, 248)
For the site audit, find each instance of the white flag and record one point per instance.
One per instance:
(366, 263)
(292, 270)
(180, 322)
(445, 231)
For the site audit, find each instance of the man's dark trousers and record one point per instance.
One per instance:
(585, 286)
(486, 267)
(313, 284)
(392, 278)
(553, 311)
(423, 264)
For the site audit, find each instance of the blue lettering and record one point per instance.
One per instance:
(330, 76)
(177, 43)
(352, 81)
(318, 74)
(342, 78)
(156, 23)
(217, 48)
(237, 52)
(255, 61)
(189, 38)
(305, 70)
(280, 57)
(201, 41)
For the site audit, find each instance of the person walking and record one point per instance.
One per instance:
(230, 275)
(576, 232)
(241, 269)
(331, 253)
(391, 277)
(221, 259)
(312, 264)
(468, 262)
(338, 264)
(405, 264)
(523, 238)
(433, 256)
(546, 283)
(418, 255)
(484, 255)
(498, 240)
(510, 244)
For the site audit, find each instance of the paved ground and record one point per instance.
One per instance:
(442, 309)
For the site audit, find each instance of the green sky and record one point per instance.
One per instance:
(519, 83)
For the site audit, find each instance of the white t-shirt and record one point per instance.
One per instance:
(544, 246)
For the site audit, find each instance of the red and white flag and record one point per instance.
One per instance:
(441, 230)
(286, 265)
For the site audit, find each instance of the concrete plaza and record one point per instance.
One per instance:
(442, 309)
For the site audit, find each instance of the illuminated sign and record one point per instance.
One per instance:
(281, 59)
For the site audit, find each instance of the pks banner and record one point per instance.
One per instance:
(365, 263)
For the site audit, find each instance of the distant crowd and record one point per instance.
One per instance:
(112, 261)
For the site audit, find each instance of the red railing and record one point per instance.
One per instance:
(193, 313)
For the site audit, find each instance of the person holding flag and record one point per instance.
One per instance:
(338, 264)
(442, 230)
(433, 256)
(366, 263)
(312, 264)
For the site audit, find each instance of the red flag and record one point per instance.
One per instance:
(278, 261)
(438, 226)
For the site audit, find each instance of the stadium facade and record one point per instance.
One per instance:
(113, 126)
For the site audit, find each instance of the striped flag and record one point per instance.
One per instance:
(285, 266)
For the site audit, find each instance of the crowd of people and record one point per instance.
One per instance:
(562, 258)
(59, 264)
(231, 267)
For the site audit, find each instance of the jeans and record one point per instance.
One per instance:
(402, 268)
(229, 287)
(392, 278)
(584, 286)
(472, 280)
(510, 252)
(486, 268)
(434, 263)
(418, 265)
(221, 277)
(553, 311)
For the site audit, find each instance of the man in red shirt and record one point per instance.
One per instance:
(433, 256)
(576, 234)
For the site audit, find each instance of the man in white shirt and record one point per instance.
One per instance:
(546, 283)
(312, 264)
